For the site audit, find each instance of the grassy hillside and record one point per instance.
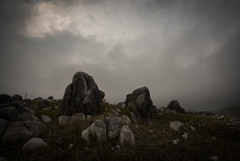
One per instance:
(212, 137)
(233, 112)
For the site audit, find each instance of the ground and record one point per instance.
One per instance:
(212, 137)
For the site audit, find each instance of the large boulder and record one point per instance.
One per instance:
(97, 129)
(9, 113)
(34, 144)
(113, 127)
(36, 128)
(82, 95)
(141, 103)
(175, 106)
(4, 98)
(126, 136)
(16, 132)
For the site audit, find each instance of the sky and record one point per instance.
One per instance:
(179, 49)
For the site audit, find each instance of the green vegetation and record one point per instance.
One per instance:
(211, 137)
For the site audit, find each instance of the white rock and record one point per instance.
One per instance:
(78, 117)
(118, 110)
(193, 129)
(123, 105)
(98, 129)
(126, 136)
(46, 119)
(133, 118)
(63, 120)
(115, 112)
(70, 146)
(175, 125)
(175, 141)
(88, 117)
(85, 134)
(113, 127)
(185, 135)
(214, 157)
(34, 143)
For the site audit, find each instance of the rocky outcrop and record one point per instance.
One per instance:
(17, 97)
(96, 129)
(82, 95)
(141, 103)
(175, 106)
(4, 98)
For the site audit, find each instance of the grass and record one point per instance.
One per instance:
(149, 146)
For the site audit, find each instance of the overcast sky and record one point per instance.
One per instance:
(180, 49)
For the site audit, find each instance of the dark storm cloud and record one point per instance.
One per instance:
(185, 50)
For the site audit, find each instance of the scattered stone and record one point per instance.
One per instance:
(126, 136)
(175, 142)
(115, 113)
(70, 146)
(36, 128)
(78, 117)
(16, 132)
(82, 95)
(175, 106)
(185, 135)
(193, 129)
(150, 131)
(214, 157)
(34, 144)
(175, 125)
(85, 134)
(118, 110)
(46, 119)
(63, 120)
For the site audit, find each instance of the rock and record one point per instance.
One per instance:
(214, 158)
(185, 135)
(36, 128)
(102, 95)
(78, 117)
(38, 99)
(35, 118)
(126, 136)
(118, 110)
(88, 117)
(16, 132)
(63, 120)
(70, 146)
(34, 144)
(98, 129)
(150, 131)
(205, 113)
(17, 97)
(9, 113)
(46, 119)
(46, 103)
(175, 125)
(175, 141)
(193, 129)
(126, 120)
(123, 105)
(82, 95)
(85, 134)
(142, 103)
(26, 114)
(175, 106)
(50, 97)
(28, 102)
(115, 113)
(4, 98)
(133, 118)
(56, 107)
(128, 99)
(113, 127)
(3, 126)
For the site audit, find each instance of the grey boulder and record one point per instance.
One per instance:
(34, 144)
(126, 136)
(175, 106)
